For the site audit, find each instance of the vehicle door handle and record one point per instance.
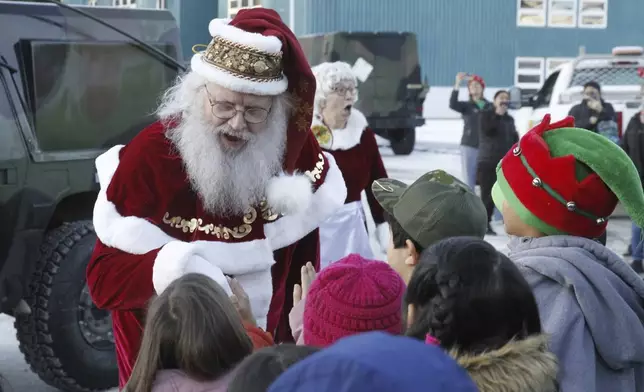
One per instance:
(8, 176)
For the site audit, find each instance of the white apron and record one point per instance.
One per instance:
(344, 233)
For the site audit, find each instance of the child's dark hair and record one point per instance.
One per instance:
(469, 296)
(399, 236)
(501, 92)
(257, 372)
(191, 326)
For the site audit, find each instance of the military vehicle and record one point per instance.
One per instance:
(391, 91)
(73, 82)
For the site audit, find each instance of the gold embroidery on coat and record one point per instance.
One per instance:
(219, 231)
(267, 212)
(316, 173)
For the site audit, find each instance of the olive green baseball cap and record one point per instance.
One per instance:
(436, 206)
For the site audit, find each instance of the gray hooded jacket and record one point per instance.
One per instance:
(592, 305)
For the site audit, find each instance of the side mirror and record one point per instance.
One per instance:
(516, 99)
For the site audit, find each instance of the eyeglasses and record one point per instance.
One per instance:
(227, 110)
(343, 90)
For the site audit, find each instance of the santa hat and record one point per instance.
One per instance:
(256, 53)
(565, 180)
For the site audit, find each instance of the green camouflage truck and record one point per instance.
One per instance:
(73, 82)
(392, 94)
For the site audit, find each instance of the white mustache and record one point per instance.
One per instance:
(228, 130)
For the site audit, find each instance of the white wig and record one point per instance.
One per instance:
(330, 76)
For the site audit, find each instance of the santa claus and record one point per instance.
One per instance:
(229, 182)
(342, 131)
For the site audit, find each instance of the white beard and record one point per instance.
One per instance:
(229, 182)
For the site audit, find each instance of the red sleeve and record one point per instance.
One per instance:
(119, 273)
(377, 171)
(119, 280)
(258, 336)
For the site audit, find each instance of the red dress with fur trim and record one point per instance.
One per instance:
(356, 153)
(152, 228)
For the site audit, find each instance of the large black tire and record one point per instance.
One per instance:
(402, 141)
(54, 337)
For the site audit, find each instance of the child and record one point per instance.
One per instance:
(376, 362)
(193, 338)
(556, 190)
(350, 296)
(257, 372)
(435, 206)
(473, 301)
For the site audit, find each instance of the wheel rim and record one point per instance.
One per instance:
(95, 324)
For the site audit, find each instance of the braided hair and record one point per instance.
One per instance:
(469, 296)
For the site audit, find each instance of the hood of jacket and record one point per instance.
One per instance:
(519, 366)
(609, 294)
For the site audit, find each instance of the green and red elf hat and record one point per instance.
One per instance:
(564, 180)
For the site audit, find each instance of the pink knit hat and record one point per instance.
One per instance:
(351, 296)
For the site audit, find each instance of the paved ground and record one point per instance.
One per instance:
(433, 151)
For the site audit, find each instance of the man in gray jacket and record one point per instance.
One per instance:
(556, 189)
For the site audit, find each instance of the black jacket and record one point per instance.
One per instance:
(582, 114)
(633, 143)
(498, 135)
(471, 118)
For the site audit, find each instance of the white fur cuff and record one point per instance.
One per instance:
(382, 233)
(178, 258)
(289, 194)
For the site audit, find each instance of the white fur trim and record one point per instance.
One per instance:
(231, 82)
(325, 202)
(213, 259)
(265, 43)
(178, 258)
(347, 137)
(250, 262)
(382, 233)
(127, 233)
(289, 194)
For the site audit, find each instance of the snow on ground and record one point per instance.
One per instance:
(437, 148)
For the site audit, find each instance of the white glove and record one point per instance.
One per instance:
(382, 233)
(178, 258)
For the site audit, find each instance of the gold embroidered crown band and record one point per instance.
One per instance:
(242, 61)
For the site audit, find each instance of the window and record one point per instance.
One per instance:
(531, 13)
(553, 62)
(235, 5)
(124, 3)
(593, 14)
(161, 5)
(528, 73)
(106, 91)
(545, 94)
(562, 13)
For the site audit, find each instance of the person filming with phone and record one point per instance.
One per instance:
(470, 112)
(593, 113)
(497, 135)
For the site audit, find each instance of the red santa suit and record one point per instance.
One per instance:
(357, 155)
(152, 227)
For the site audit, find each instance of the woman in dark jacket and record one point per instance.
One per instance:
(498, 135)
(469, 110)
(633, 145)
(595, 114)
